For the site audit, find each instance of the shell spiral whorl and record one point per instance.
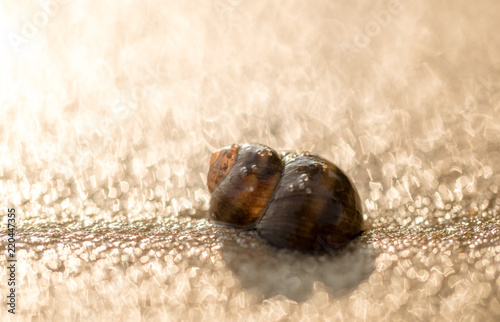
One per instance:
(297, 201)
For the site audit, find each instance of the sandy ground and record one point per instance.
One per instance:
(109, 114)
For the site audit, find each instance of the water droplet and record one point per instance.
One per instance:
(254, 167)
(250, 189)
(290, 187)
(302, 186)
(244, 171)
(308, 191)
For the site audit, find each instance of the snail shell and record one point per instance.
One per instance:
(296, 200)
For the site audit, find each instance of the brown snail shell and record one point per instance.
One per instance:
(295, 200)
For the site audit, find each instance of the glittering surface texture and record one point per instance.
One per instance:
(109, 114)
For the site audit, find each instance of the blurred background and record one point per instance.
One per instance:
(109, 113)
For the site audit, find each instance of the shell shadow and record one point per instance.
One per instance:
(273, 271)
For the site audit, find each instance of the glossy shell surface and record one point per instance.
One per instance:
(315, 206)
(295, 200)
(241, 195)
